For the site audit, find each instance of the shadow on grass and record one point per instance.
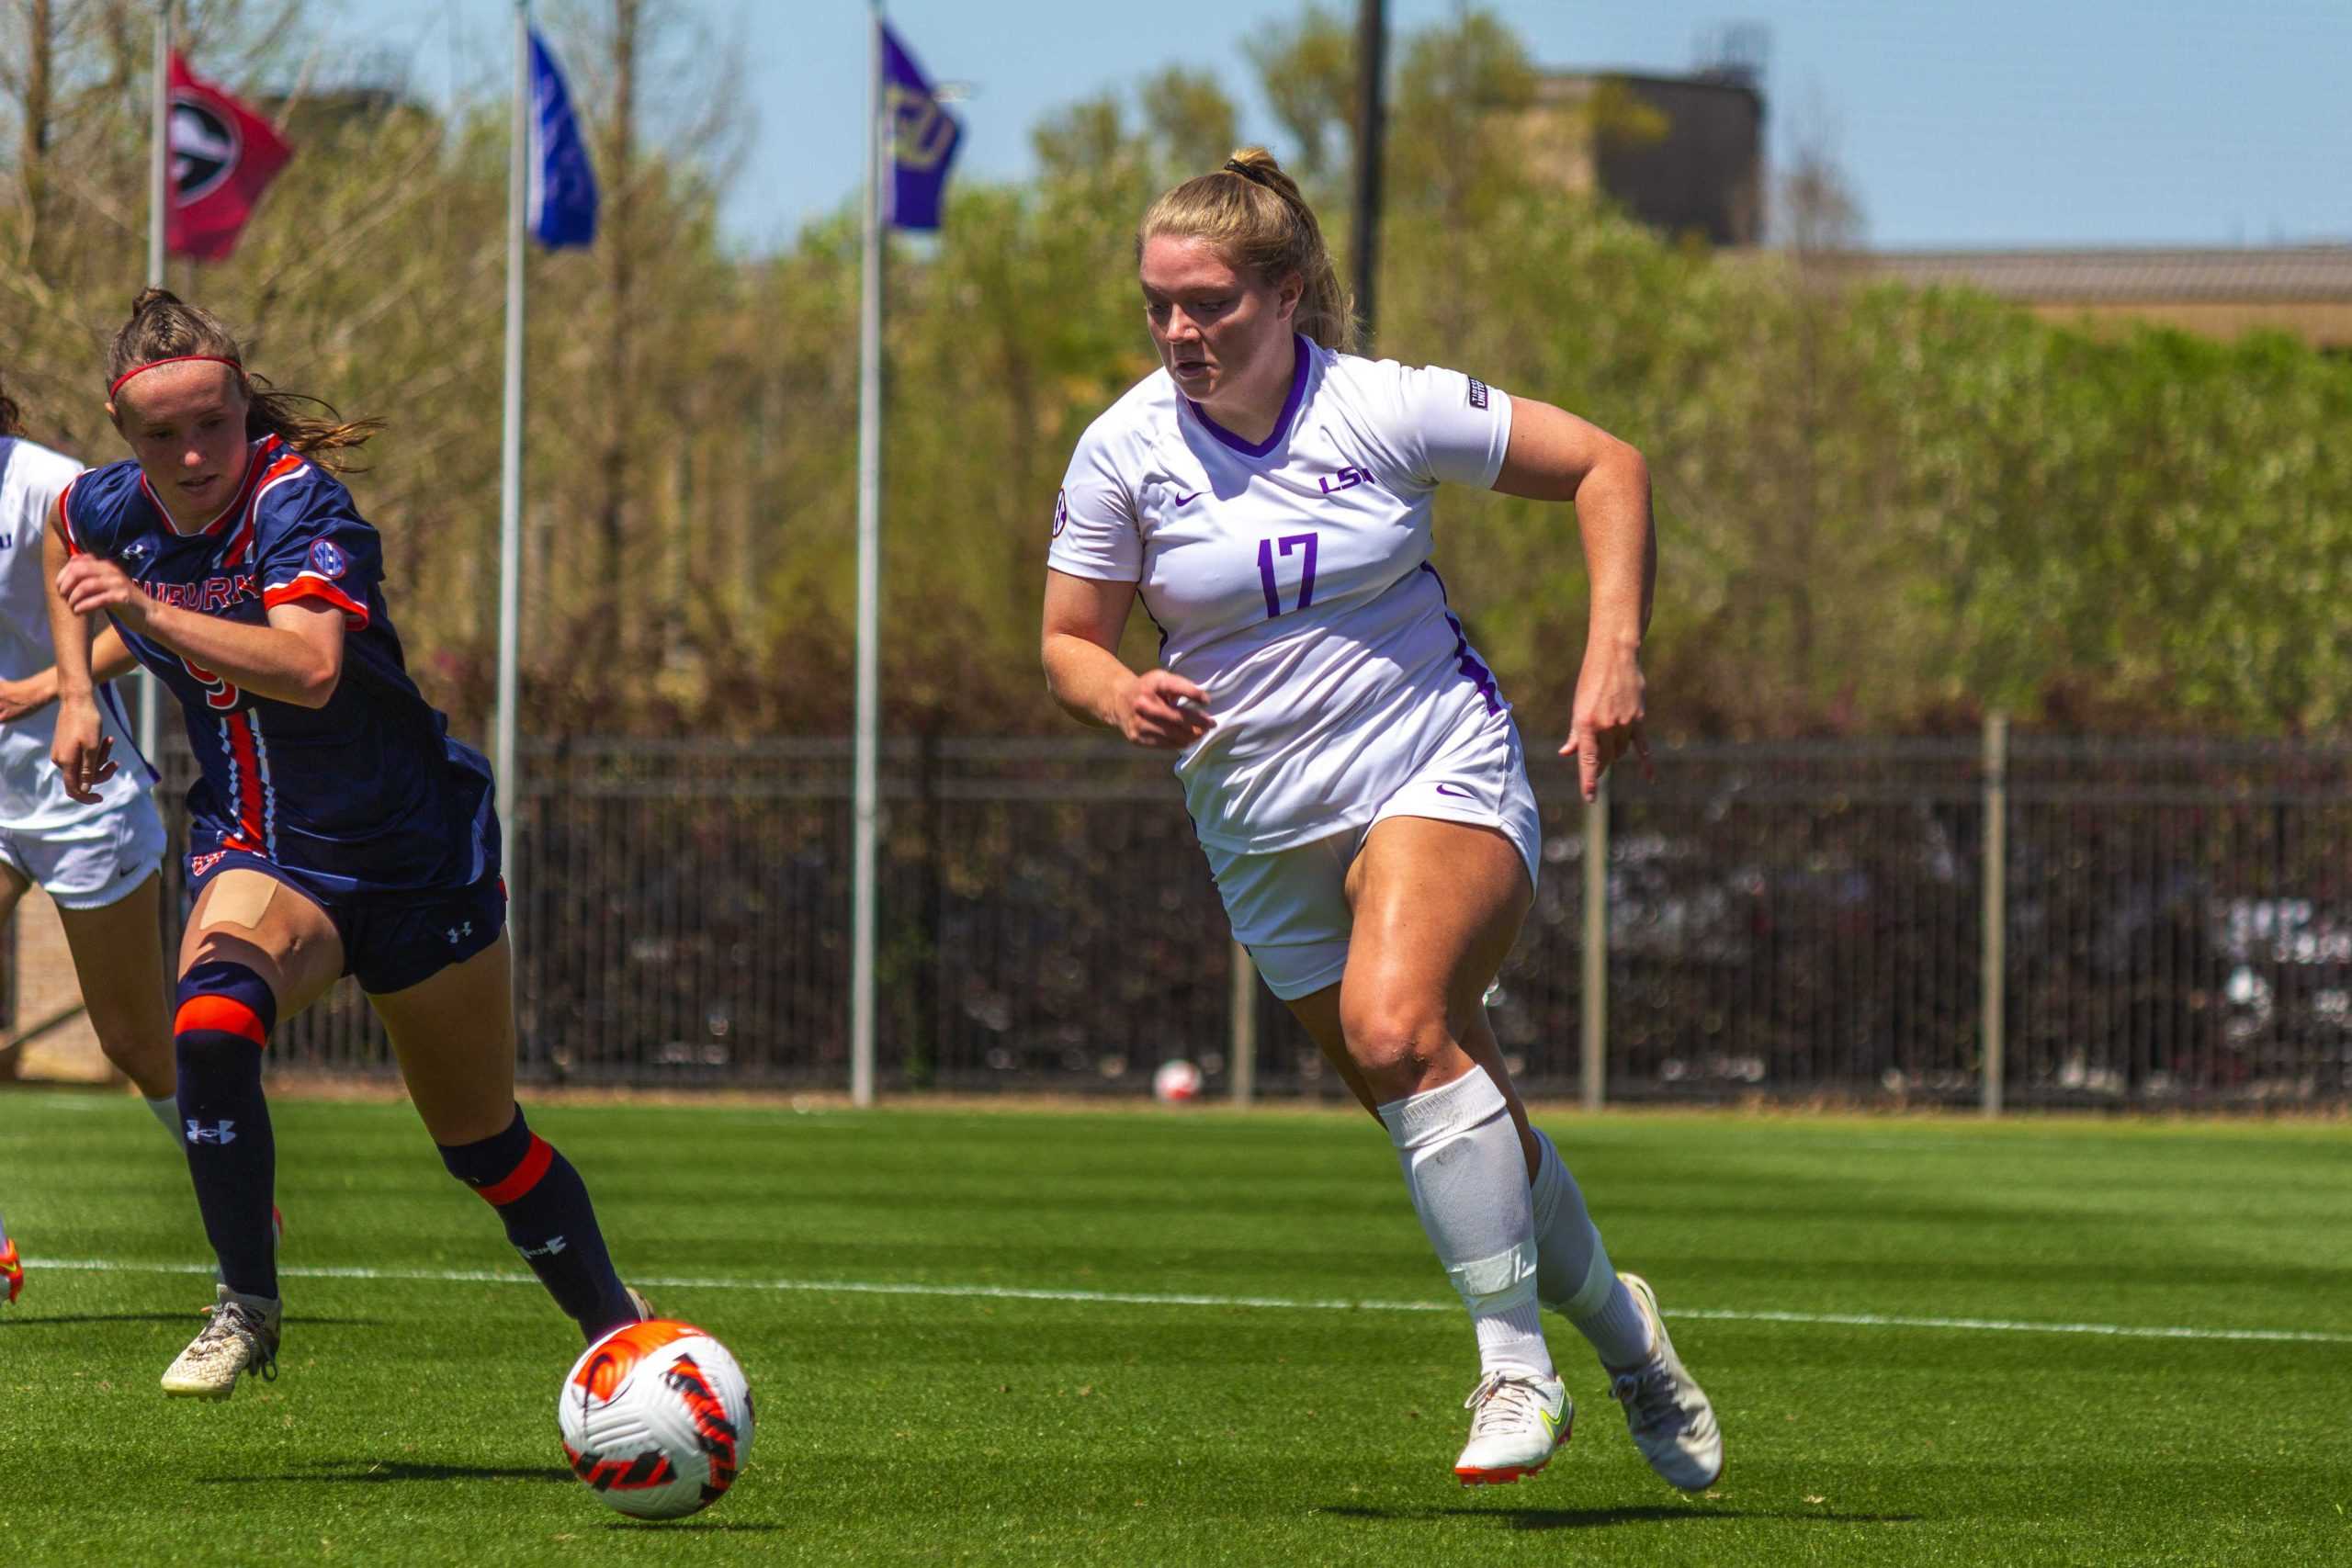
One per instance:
(72, 1319)
(192, 1320)
(1596, 1518)
(714, 1527)
(376, 1472)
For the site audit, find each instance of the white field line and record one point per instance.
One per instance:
(1177, 1299)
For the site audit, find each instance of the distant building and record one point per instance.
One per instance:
(2304, 291)
(1684, 154)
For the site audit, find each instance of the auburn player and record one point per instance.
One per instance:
(1353, 771)
(336, 827)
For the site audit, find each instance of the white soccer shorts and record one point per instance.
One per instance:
(93, 863)
(1289, 908)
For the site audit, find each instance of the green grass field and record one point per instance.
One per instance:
(1019, 1337)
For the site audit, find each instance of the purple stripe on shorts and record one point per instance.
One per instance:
(1464, 661)
(1281, 426)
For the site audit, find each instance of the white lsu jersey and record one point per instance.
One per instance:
(32, 792)
(1291, 580)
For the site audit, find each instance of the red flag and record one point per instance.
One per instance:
(224, 155)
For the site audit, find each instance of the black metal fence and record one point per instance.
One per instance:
(1783, 920)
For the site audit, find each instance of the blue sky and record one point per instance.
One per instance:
(1997, 122)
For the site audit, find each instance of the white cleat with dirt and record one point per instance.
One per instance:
(1518, 1424)
(1669, 1416)
(241, 1338)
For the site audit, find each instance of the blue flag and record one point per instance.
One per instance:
(562, 182)
(923, 138)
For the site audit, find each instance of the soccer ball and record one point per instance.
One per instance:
(1176, 1082)
(656, 1419)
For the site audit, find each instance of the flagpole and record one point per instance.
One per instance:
(158, 175)
(864, 805)
(510, 467)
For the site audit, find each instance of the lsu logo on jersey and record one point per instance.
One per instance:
(329, 561)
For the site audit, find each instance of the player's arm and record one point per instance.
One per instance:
(1554, 456)
(1084, 617)
(80, 747)
(296, 658)
(110, 660)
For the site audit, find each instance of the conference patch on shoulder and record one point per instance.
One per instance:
(327, 561)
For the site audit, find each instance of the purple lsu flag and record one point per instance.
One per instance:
(924, 137)
(563, 184)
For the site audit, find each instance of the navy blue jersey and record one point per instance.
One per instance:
(367, 793)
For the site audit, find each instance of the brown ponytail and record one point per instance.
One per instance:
(1254, 215)
(12, 418)
(163, 326)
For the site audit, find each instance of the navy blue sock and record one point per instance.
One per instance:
(545, 1207)
(225, 1015)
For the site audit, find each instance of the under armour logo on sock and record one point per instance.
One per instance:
(554, 1245)
(223, 1133)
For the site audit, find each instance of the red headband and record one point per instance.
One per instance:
(175, 359)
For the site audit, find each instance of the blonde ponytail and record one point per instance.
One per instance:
(1254, 215)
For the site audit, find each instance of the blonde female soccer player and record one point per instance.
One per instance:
(1351, 769)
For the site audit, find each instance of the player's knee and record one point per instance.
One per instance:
(1397, 1043)
(221, 1008)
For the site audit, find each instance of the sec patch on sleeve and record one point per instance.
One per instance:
(327, 561)
(1477, 392)
(1061, 513)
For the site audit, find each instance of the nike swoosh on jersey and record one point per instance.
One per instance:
(1188, 499)
(1455, 790)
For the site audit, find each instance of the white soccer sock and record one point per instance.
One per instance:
(167, 1112)
(1469, 1181)
(1573, 1276)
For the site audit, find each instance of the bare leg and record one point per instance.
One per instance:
(118, 959)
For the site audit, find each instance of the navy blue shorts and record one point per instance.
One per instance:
(391, 941)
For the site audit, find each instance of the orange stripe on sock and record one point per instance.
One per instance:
(226, 1014)
(524, 1177)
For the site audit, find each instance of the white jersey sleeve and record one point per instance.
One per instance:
(1435, 427)
(1097, 532)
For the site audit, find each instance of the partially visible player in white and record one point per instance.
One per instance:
(1353, 773)
(98, 863)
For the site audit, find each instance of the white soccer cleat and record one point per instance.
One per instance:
(242, 1337)
(1519, 1425)
(1669, 1416)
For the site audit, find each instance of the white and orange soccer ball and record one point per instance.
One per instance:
(1176, 1082)
(656, 1418)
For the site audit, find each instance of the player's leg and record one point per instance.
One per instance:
(454, 1033)
(256, 950)
(1436, 905)
(118, 948)
(12, 887)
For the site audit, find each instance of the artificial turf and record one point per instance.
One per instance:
(413, 1420)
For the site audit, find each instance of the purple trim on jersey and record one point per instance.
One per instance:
(1281, 424)
(1478, 675)
(113, 702)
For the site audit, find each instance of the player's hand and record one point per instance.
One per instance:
(1608, 714)
(89, 584)
(1163, 711)
(20, 698)
(82, 750)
